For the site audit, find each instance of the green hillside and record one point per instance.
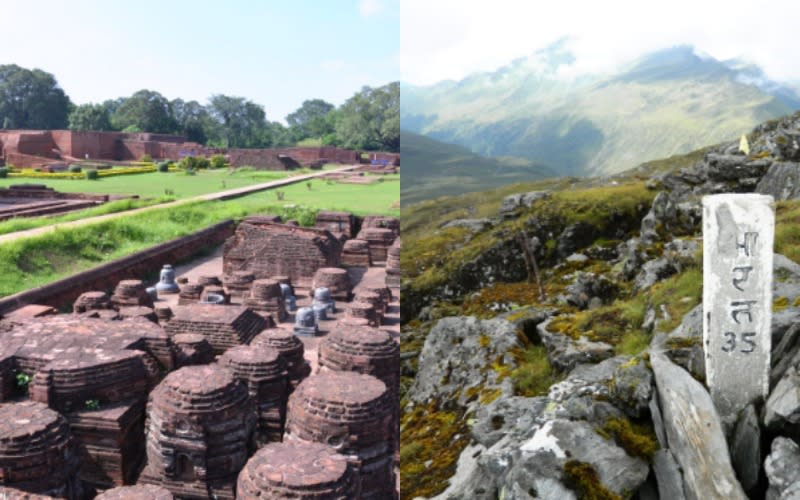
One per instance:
(432, 168)
(667, 103)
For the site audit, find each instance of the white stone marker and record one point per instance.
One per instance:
(738, 230)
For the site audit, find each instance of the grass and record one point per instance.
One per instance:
(24, 223)
(35, 261)
(533, 374)
(157, 184)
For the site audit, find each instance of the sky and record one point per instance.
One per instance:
(450, 39)
(275, 53)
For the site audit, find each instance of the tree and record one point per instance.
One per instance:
(311, 119)
(31, 99)
(90, 117)
(193, 120)
(147, 111)
(371, 119)
(242, 123)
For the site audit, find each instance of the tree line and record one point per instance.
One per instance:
(369, 120)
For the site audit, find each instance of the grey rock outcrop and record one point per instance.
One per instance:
(782, 181)
(631, 388)
(565, 353)
(694, 433)
(513, 202)
(782, 467)
(472, 225)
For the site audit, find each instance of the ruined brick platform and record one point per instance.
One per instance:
(131, 293)
(15, 494)
(336, 280)
(199, 426)
(37, 451)
(296, 252)
(353, 413)
(393, 265)
(266, 295)
(356, 253)
(291, 349)
(298, 470)
(88, 301)
(222, 326)
(264, 372)
(338, 223)
(138, 492)
(379, 240)
(192, 349)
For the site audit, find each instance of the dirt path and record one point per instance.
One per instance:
(220, 195)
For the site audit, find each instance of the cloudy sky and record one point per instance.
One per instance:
(449, 39)
(276, 53)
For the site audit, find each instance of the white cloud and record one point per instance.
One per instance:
(369, 8)
(449, 39)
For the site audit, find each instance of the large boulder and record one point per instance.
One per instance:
(694, 433)
(783, 470)
(782, 181)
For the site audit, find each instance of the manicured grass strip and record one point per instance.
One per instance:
(35, 261)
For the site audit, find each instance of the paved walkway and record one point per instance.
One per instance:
(220, 195)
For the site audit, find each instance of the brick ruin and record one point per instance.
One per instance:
(37, 148)
(356, 253)
(303, 470)
(199, 427)
(31, 200)
(353, 413)
(37, 451)
(222, 327)
(268, 249)
(379, 239)
(138, 492)
(393, 265)
(263, 370)
(337, 223)
(146, 402)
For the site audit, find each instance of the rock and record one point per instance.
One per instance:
(722, 167)
(631, 388)
(577, 257)
(565, 439)
(746, 448)
(782, 467)
(457, 355)
(661, 216)
(652, 272)
(783, 403)
(668, 476)
(512, 202)
(694, 433)
(785, 354)
(575, 237)
(785, 286)
(587, 286)
(565, 353)
(508, 416)
(684, 344)
(472, 225)
(782, 181)
(633, 255)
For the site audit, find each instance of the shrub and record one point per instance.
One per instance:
(3, 172)
(146, 158)
(75, 169)
(91, 174)
(194, 163)
(163, 167)
(280, 195)
(190, 171)
(217, 161)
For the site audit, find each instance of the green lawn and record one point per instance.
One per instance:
(39, 260)
(157, 184)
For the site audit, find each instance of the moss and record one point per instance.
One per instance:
(533, 374)
(583, 479)
(489, 395)
(501, 296)
(796, 301)
(484, 341)
(683, 342)
(429, 434)
(779, 304)
(637, 440)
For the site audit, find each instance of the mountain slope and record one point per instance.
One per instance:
(432, 168)
(666, 103)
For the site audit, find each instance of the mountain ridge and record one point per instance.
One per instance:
(668, 102)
